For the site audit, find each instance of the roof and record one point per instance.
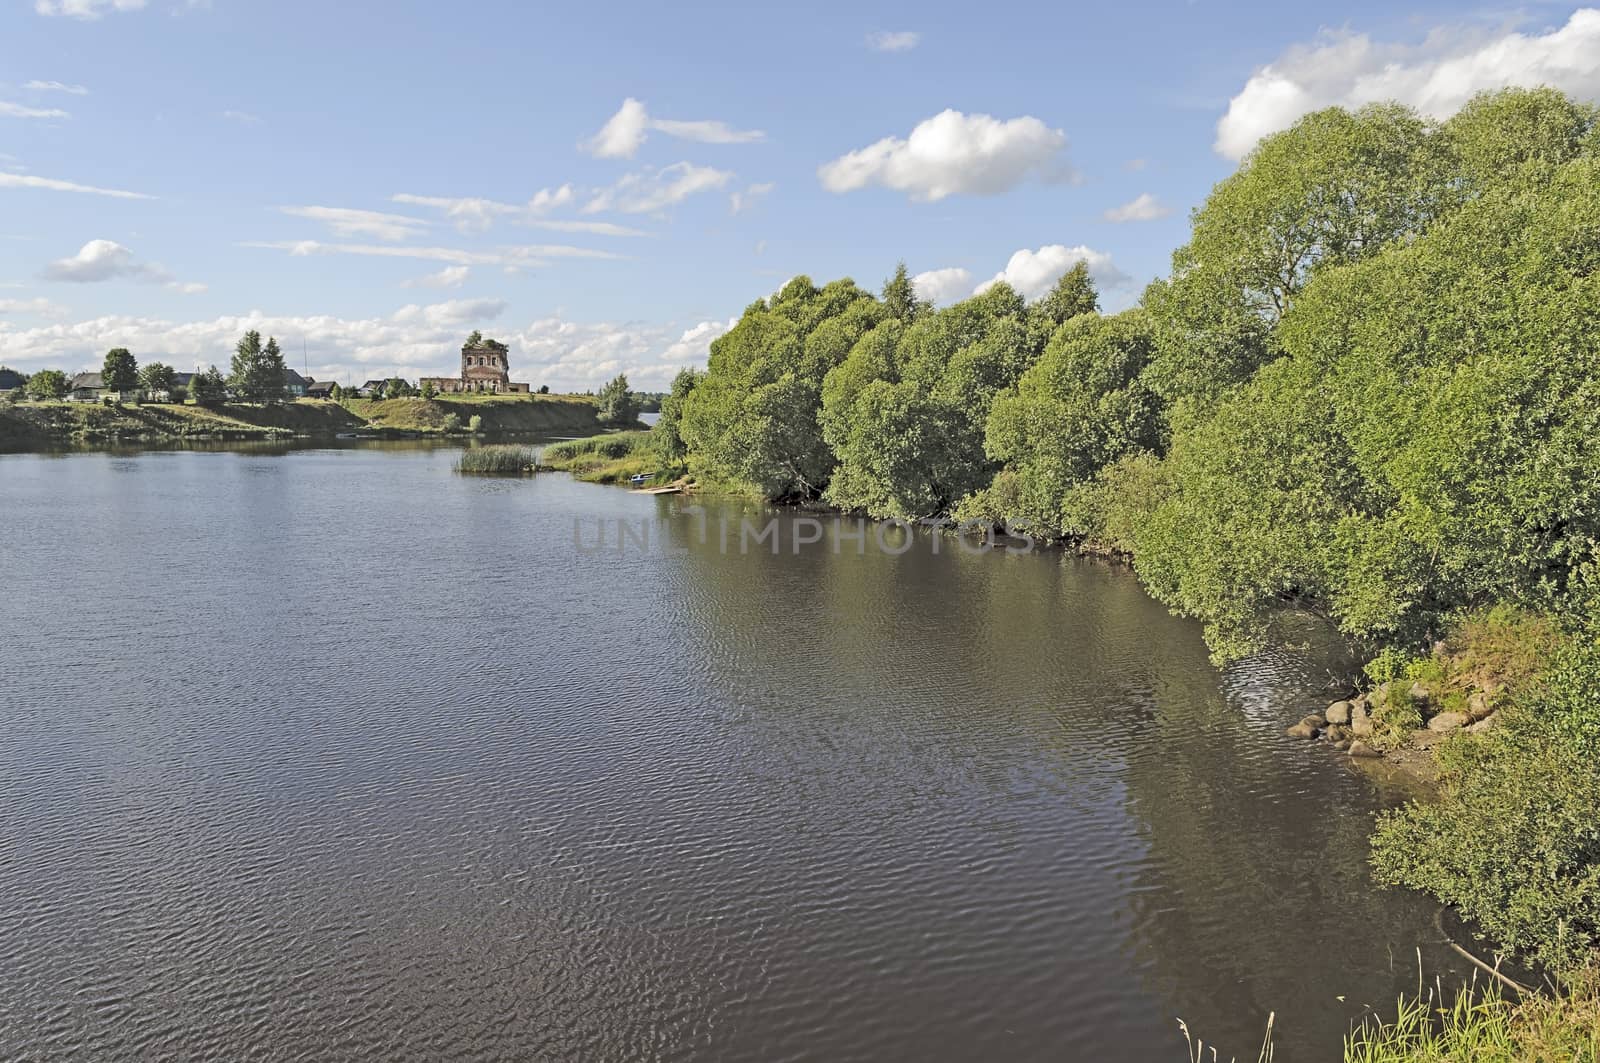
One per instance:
(86, 380)
(321, 386)
(291, 379)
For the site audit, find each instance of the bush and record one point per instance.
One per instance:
(475, 425)
(452, 423)
(1513, 840)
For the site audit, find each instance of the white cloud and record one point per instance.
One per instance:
(104, 260)
(41, 307)
(943, 285)
(626, 130)
(751, 195)
(1033, 273)
(475, 214)
(453, 312)
(1436, 76)
(449, 277)
(414, 341)
(86, 10)
(14, 180)
(518, 257)
(17, 110)
(902, 41)
(654, 190)
(954, 153)
(242, 117)
(56, 86)
(1143, 207)
(346, 222)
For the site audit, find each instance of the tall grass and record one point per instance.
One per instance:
(1198, 1053)
(608, 447)
(499, 460)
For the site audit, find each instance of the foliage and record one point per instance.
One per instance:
(452, 423)
(157, 376)
(667, 429)
(257, 372)
(120, 372)
(1513, 841)
(428, 391)
(208, 387)
(475, 424)
(617, 403)
(47, 384)
(900, 297)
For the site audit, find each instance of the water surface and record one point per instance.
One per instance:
(334, 754)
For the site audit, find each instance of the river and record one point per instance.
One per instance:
(337, 754)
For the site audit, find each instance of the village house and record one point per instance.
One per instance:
(320, 389)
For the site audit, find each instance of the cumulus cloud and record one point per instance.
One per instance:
(416, 340)
(1143, 207)
(16, 180)
(943, 285)
(1436, 76)
(343, 221)
(519, 257)
(626, 130)
(1033, 273)
(85, 10)
(901, 41)
(105, 260)
(743, 200)
(654, 190)
(954, 153)
(454, 312)
(56, 86)
(449, 277)
(17, 110)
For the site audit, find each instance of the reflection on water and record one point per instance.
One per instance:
(336, 754)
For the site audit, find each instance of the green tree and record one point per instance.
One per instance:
(544, 389)
(475, 425)
(208, 387)
(258, 371)
(1073, 294)
(47, 385)
(474, 340)
(428, 390)
(119, 372)
(667, 430)
(900, 297)
(157, 376)
(617, 403)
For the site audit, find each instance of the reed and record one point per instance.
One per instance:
(499, 460)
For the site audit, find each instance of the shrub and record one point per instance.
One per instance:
(452, 423)
(1513, 840)
(475, 425)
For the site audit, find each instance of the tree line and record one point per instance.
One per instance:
(256, 374)
(1368, 389)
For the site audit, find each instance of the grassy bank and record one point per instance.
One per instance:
(1481, 1024)
(46, 424)
(529, 415)
(614, 458)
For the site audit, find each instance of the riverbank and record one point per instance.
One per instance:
(65, 424)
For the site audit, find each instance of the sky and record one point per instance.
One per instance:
(607, 187)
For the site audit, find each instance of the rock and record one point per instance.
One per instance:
(1486, 724)
(1478, 705)
(1359, 748)
(1426, 739)
(1338, 712)
(1420, 696)
(1449, 721)
(1342, 745)
(1301, 730)
(1380, 694)
(1360, 722)
(1338, 732)
(1317, 720)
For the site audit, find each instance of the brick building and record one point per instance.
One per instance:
(485, 366)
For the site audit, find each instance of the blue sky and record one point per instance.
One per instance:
(607, 186)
